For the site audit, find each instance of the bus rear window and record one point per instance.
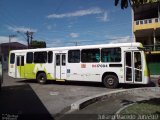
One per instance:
(12, 58)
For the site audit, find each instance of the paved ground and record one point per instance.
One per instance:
(106, 107)
(109, 106)
(25, 96)
(28, 98)
(20, 101)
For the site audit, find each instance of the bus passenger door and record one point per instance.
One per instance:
(133, 67)
(137, 67)
(61, 66)
(128, 67)
(20, 66)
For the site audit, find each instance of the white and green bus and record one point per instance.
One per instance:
(110, 64)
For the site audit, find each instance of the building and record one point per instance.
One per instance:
(146, 29)
(6, 47)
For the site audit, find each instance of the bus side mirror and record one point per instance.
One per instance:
(148, 51)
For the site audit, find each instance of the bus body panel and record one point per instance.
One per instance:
(31, 70)
(91, 71)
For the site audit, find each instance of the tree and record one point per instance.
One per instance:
(133, 3)
(38, 44)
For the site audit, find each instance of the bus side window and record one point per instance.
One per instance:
(22, 60)
(105, 55)
(63, 60)
(111, 54)
(12, 58)
(50, 57)
(40, 57)
(57, 60)
(90, 55)
(74, 56)
(29, 57)
(97, 57)
(137, 60)
(128, 59)
(18, 61)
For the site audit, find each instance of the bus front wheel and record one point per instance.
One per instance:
(110, 81)
(41, 78)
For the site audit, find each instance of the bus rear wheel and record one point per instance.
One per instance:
(110, 81)
(41, 78)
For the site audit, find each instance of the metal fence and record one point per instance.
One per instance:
(152, 47)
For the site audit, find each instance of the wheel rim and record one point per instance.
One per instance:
(41, 79)
(110, 81)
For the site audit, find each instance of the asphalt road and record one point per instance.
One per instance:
(28, 98)
(21, 102)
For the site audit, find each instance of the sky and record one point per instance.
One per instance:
(65, 22)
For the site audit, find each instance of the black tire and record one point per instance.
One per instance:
(110, 81)
(41, 78)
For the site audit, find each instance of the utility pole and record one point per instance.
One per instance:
(29, 35)
(76, 43)
(10, 37)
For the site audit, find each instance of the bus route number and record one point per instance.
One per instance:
(99, 65)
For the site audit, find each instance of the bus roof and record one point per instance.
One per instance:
(134, 44)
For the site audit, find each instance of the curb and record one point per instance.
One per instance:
(82, 103)
(126, 106)
(121, 110)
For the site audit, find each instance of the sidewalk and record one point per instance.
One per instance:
(108, 105)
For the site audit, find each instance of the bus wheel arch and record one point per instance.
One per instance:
(110, 80)
(41, 77)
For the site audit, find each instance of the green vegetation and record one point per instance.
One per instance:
(145, 107)
(142, 108)
(154, 68)
(38, 44)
